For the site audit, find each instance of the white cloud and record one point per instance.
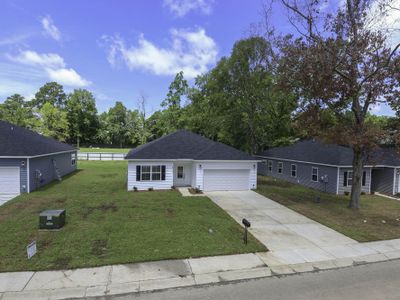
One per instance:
(15, 39)
(32, 58)
(52, 65)
(190, 51)
(182, 7)
(50, 29)
(67, 77)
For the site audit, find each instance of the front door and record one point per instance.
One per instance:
(180, 175)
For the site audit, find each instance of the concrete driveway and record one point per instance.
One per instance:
(291, 237)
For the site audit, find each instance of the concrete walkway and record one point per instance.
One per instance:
(297, 245)
(290, 236)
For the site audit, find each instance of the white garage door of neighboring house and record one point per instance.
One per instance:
(9, 183)
(226, 180)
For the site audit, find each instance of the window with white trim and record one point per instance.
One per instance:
(270, 164)
(294, 170)
(150, 172)
(314, 174)
(145, 173)
(348, 178)
(155, 173)
(73, 159)
(280, 167)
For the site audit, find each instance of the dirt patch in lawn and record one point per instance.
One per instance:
(61, 262)
(169, 212)
(103, 208)
(99, 247)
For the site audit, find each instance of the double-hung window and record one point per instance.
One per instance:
(348, 178)
(280, 167)
(150, 173)
(294, 170)
(270, 164)
(314, 174)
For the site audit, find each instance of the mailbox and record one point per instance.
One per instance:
(246, 223)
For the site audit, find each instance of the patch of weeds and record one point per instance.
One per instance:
(169, 212)
(61, 262)
(99, 247)
(195, 191)
(103, 208)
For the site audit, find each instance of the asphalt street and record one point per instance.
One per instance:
(374, 281)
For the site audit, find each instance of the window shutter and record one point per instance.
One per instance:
(162, 172)
(137, 173)
(364, 178)
(345, 178)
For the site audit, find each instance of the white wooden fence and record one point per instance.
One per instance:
(101, 156)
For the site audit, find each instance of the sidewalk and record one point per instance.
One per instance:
(150, 276)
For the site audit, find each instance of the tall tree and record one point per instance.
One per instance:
(341, 63)
(53, 122)
(172, 114)
(52, 93)
(82, 116)
(17, 111)
(238, 102)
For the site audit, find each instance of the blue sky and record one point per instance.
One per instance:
(118, 49)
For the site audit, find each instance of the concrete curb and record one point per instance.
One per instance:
(156, 276)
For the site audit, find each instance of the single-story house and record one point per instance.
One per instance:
(29, 160)
(187, 159)
(328, 167)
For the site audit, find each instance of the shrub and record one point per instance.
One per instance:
(173, 187)
(362, 193)
(346, 193)
(135, 189)
(150, 189)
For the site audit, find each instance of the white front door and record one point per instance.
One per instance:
(9, 183)
(226, 180)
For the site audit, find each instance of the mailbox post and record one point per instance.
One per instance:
(246, 224)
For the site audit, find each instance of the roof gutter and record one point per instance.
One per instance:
(41, 155)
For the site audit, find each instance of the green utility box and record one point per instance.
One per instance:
(52, 219)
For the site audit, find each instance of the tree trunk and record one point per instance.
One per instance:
(357, 178)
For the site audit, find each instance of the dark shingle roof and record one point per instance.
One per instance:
(184, 144)
(18, 141)
(317, 152)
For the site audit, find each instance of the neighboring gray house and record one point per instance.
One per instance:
(29, 160)
(184, 158)
(328, 167)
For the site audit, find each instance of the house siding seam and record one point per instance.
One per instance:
(343, 189)
(303, 174)
(45, 165)
(145, 185)
(23, 173)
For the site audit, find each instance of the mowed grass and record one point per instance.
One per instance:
(109, 150)
(377, 219)
(108, 225)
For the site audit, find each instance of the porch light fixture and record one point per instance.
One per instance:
(200, 167)
(22, 163)
(254, 166)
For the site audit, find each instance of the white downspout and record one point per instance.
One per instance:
(337, 181)
(28, 176)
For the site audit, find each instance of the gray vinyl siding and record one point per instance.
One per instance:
(17, 162)
(303, 174)
(382, 180)
(45, 165)
(342, 189)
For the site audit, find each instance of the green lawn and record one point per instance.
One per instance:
(378, 218)
(108, 225)
(109, 150)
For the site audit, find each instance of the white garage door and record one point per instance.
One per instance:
(226, 180)
(9, 183)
